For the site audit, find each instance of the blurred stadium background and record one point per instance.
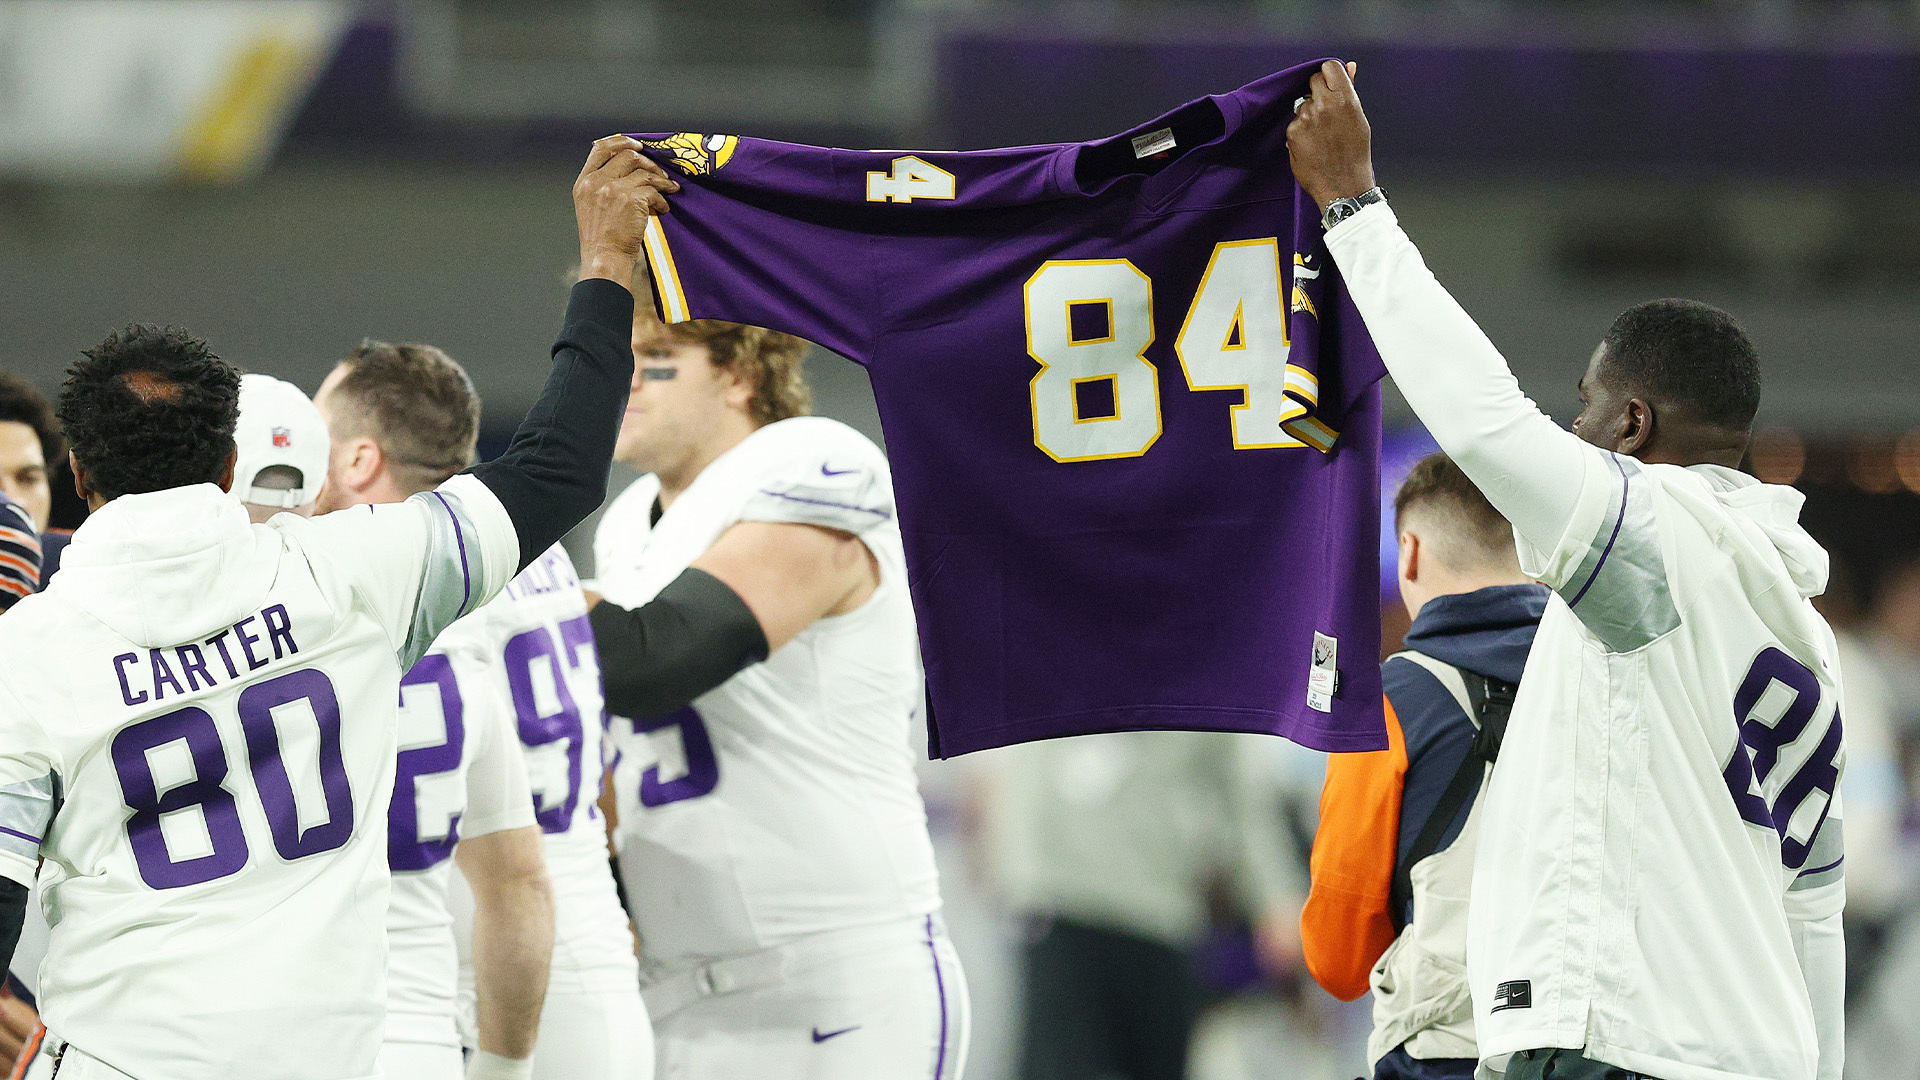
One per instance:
(286, 177)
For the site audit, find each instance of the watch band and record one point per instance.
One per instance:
(1341, 209)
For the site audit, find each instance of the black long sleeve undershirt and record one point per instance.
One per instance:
(554, 472)
(692, 637)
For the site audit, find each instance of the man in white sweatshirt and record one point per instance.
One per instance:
(1658, 886)
(197, 722)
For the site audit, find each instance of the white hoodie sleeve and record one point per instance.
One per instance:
(1820, 946)
(420, 564)
(1457, 382)
(1576, 510)
(29, 765)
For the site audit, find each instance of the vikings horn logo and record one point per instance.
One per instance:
(1304, 272)
(696, 154)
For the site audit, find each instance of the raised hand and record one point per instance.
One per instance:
(618, 189)
(1329, 142)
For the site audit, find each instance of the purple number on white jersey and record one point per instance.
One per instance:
(406, 849)
(526, 653)
(1775, 703)
(132, 753)
(131, 750)
(270, 778)
(703, 768)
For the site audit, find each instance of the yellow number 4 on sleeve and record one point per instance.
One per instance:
(910, 179)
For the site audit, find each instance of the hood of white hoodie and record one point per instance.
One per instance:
(1775, 510)
(169, 567)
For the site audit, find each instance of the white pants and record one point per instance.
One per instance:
(76, 1064)
(420, 1061)
(594, 1036)
(876, 1002)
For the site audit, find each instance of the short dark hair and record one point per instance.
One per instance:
(20, 403)
(1473, 533)
(417, 403)
(1690, 355)
(150, 408)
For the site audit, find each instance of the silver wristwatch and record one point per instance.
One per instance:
(1340, 210)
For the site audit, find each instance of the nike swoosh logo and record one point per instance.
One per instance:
(819, 1038)
(824, 471)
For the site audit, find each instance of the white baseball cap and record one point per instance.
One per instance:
(278, 426)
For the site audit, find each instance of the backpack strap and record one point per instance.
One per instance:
(1487, 703)
(1449, 676)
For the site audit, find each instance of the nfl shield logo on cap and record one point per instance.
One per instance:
(282, 438)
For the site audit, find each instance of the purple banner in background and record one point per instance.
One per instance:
(1698, 108)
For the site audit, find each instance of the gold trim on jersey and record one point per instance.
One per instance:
(1313, 433)
(1303, 384)
(666, 276)
(1111, 380)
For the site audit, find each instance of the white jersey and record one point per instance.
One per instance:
(782, 802)
(1658, 879)
(459, 775)
(1664, 823)
(542, 671)
(212, 704)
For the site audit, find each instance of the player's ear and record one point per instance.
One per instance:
(739, 388)
(226, 472)
(80, 486)
(365, 462)
(1636, 427)
(1409, 556)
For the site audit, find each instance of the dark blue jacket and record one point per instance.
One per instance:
(1488, 631)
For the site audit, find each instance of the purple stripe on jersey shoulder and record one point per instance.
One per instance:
(466, 576)
(1822, 869)
(824, 502)
(1625, 481)
(21, 835)
(940, 987)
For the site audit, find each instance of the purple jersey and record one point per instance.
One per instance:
(1133, 417)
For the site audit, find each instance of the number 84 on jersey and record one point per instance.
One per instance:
(1097, 396)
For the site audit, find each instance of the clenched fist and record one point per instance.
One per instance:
(619, 188)
(1329, 142)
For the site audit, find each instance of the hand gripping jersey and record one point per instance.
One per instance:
(1132, 416)
(211, 707)
(459, 774)
(783, 801)
(536, 663)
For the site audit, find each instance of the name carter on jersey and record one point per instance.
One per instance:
(192, 660)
